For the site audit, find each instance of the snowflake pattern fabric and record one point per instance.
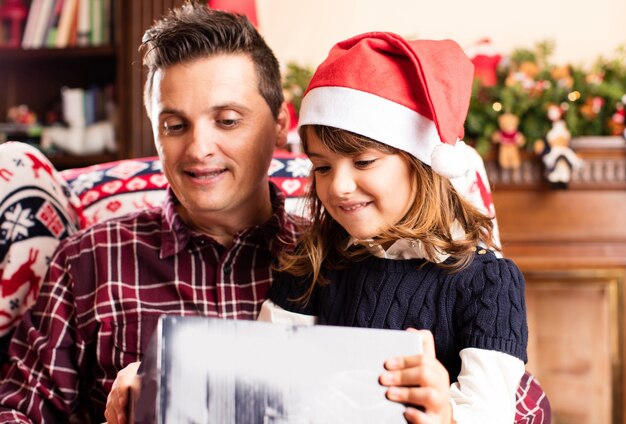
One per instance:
(37, 210)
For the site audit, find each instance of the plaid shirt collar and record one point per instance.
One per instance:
(279, 231)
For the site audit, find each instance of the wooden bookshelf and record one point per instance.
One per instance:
(19, 55)
(62, 162)
(35, 77)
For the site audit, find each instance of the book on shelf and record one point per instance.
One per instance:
(72, 42)
(83, 32)
(67, 23)
(68, 15)
(97, 23)
(91, 98)
(40, 24)
(53, 24)
(31, 23)
(107, 21)
(86, 106)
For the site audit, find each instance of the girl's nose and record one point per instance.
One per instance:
(343, 183)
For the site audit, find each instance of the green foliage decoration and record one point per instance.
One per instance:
(528, 83)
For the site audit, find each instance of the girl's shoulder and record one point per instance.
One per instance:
(486, 259)
(490, 271)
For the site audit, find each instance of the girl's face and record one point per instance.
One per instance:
(365, 193)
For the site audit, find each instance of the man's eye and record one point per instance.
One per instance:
(228, 123)
(173, 127)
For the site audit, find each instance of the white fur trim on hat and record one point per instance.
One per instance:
(372, 116)
(385, 121)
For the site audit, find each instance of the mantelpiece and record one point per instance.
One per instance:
(571, 246)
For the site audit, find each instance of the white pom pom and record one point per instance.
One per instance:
(449, 161)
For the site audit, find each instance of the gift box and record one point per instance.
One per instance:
(205, 370)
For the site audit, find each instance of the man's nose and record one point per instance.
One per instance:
(204, 140)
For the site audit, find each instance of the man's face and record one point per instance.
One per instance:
(215, 135)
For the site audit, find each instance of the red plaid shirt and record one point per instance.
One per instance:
(106, 288)
(531, 403)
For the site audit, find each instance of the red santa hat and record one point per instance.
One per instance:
(412, 95)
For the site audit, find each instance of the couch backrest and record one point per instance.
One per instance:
(116, 188)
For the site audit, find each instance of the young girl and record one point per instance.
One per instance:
(392, 243)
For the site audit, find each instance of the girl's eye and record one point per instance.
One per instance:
(321, 169)
(364, 163)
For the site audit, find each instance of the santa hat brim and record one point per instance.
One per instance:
(372, 116)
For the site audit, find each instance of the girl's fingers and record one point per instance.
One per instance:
(412, 377)
(402, 362)
(425, 404)
(427, 397)
(428, 353)
(415, 416)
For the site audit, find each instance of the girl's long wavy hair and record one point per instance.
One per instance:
(429, 219)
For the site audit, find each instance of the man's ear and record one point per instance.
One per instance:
(283, 122)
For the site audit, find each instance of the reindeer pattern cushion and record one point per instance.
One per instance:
(37, 209)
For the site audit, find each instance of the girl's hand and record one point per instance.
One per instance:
(117, 401)
(421, 381)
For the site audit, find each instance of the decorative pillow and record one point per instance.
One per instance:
(290, 172)
(37, 210)
(116, 188)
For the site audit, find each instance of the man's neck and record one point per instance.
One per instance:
(224, 226)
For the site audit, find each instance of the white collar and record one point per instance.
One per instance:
(407, 248)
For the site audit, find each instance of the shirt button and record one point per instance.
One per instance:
(227, 269)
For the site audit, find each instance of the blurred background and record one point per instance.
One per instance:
(550, 76)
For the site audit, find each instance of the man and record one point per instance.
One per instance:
(214, 97)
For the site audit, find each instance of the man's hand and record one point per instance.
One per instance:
(117, 401)
(422, 381)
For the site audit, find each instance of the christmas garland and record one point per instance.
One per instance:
(590, 101)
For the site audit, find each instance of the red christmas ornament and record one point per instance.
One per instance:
(244, 7)
(485, 60)
(15, 12)
(293, 116)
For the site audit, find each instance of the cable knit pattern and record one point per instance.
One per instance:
(482, 306)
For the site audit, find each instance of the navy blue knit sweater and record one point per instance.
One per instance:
(481, 306)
